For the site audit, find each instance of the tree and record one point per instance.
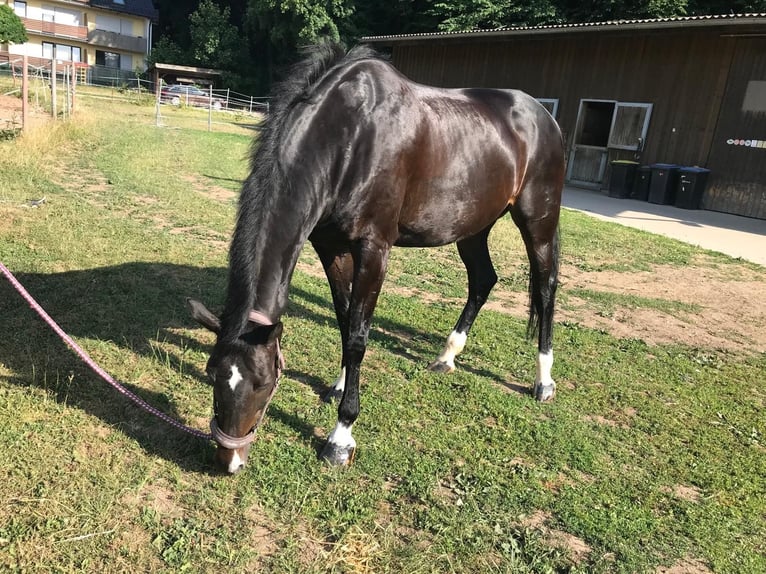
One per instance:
(278, 28)
(12, 30)
(215, 43)
(489, 14)
(166, 51)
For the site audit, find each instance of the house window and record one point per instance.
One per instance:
(20, 8)
(62, 52)
(107, 59)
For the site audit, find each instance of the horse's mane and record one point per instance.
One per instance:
(266, 177)
(297, 85)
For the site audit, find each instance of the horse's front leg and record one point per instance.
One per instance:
(339, 268)
(370, 262)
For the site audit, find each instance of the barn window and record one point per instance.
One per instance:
(550, 104)
(755, 97)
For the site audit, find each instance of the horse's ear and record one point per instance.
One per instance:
(203, 316)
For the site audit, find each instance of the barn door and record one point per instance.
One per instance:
(603, 125)
(587, 160)
(631, 122)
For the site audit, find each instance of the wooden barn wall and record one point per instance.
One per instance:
(738, 176)
(684, 74)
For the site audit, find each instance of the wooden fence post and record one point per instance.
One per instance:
(25, 94)
(54, 94)
(210, 109)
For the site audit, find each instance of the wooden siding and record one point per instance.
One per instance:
(738, 176)
(685, 74)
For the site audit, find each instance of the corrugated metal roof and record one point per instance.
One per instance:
(633, 24)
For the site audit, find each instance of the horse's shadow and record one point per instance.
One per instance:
(130, 306)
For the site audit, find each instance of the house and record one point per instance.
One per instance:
(689, 91)
(105, 39)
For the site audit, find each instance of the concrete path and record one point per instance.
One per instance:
(730, 234)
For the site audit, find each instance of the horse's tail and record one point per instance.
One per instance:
(535, 291)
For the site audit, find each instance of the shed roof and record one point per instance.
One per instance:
(633, 24)
(143, 8)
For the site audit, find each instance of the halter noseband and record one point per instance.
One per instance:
(233, 442)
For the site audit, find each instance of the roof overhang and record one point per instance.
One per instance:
(731, 22)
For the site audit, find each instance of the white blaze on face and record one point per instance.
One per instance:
(544, 366)
(236, 463)
(455, 345)
(235, 379)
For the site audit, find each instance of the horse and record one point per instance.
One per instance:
(356, 158)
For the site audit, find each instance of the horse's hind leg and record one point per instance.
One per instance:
(481, 278)
(542, 242)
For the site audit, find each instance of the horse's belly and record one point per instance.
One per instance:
(448, 220)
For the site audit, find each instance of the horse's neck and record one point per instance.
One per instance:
(264, 252)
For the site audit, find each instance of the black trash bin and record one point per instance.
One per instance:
(622, 177)
(691, 186)
(641, 183)
(662, 185)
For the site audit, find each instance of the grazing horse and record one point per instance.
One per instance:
(356, 158)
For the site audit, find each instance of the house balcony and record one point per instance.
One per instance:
(57, 30)
(115, 41)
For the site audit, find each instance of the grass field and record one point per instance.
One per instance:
(651, 459)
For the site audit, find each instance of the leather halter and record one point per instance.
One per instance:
(232, 442)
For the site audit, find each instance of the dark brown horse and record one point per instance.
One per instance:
(356, 158)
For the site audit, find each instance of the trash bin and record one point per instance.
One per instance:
(691, 186)
(641, 183)
(622, 177)
(662, 184)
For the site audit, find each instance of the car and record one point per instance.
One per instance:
(189, 96)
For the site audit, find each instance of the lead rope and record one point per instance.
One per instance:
(92, 364)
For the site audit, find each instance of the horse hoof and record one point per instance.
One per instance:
(332, 395)
(545, 393)
(441, 367)
(338, 455)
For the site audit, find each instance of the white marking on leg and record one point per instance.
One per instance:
(544, 366)
(455, 345)
(341, 436)
(235, 379)
(340, 383)
(236, 463)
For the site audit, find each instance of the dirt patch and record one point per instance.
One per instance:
(10, 113)
(727, 300)
(576, 547)
(683, 492)
(704, 305)
(685, 566)
(214, 192)
(11, 117)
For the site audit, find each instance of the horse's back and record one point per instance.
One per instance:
(437, 164)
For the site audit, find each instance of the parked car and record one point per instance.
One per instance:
(190, 96)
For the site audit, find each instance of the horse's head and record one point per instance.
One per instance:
(244, 374)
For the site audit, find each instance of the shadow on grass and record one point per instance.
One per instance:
(131, 305)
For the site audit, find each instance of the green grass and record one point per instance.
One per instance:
(451, 470)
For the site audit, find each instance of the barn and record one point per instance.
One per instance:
(686, 91)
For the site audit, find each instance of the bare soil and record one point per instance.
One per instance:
(11, 114)
(731, 316)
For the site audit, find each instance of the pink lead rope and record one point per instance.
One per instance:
(92, 364)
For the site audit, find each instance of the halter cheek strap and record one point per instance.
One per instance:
(233, 442)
